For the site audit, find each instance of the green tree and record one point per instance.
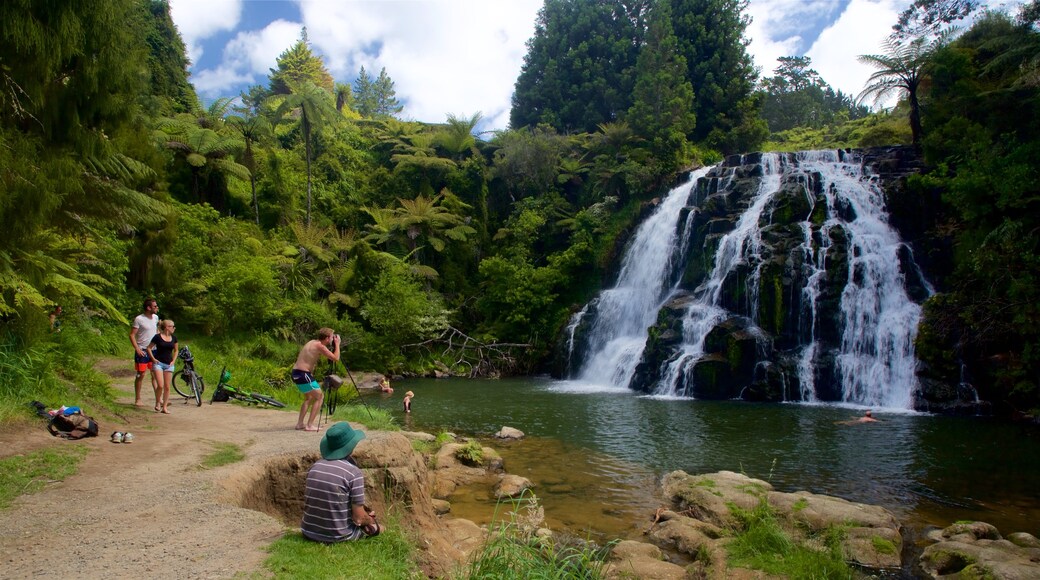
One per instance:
(314, 108)
(456, 138)
(167, 60)
(662, 113)
(365, 100)
(579, 67)
(901, 69)
(925, 17)
(796, 96)
(297, 65)
(983, 119)
(718, 66)
(386, 104)
(254, 131)
(201, 138)
(71, 149)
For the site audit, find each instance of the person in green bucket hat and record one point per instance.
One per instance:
(334, 499)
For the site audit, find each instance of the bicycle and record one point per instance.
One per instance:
(187, 381)
(226, 391)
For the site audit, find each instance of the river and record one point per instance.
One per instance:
(595, 454)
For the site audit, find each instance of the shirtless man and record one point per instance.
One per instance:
(144, 327)
(303, 375)
(867, 417)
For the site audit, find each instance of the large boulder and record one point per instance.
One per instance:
(711, 497)
(976, 550)
(631, 559)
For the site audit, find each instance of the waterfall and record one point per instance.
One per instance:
(837, 322)
(879, 321)
(740, 246)
(624, 312)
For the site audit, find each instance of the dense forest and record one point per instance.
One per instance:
(308, 201)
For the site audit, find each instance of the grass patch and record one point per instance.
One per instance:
(431, 447)
(388, 556)
(513, 551)
(763, 544)
(800, 505)
(222, 454)
(882, 545)
(28, 473)
(370, 417)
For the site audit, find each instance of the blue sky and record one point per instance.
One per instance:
(463, 56)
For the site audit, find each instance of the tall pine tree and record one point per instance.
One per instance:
(579, 67)
(662, 113)
(711, 39)
(298, 64)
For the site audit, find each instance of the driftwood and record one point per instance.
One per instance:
(479, 359)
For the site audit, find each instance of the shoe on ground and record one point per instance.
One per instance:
(117, 437)
(128, 437)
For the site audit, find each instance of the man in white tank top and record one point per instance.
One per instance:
(143, 328)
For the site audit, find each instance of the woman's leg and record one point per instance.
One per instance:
(157, 386)
(167, 381)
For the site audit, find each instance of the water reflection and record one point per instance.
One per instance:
(594, 454)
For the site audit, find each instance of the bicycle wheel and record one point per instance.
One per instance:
(267, 400)
(182, 384)
(198, 388)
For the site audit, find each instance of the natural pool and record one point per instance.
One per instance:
(595, 454)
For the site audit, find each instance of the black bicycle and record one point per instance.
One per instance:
(225, 392)
(187, 382)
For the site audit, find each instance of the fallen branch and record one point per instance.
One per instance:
(481, 359)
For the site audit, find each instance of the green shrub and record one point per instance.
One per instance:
(512, 550)
(472, 453)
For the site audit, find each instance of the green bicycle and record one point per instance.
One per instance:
(225, 391)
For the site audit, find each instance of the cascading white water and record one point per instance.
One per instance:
(879, 320)
(874, 362)
(624, 312)
(743, 245)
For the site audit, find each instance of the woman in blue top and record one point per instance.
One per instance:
(163, 352)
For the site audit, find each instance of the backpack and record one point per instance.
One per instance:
(74, 426)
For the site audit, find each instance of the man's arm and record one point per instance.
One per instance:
(332, 354)
(360, 515)
(133, 340)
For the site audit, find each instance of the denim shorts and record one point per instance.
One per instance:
(165, 367)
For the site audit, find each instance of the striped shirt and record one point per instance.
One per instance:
(333, 486)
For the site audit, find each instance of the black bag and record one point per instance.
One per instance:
(220, 396)
(74, 426)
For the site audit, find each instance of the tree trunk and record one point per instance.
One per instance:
(915, 119)
(308, 148)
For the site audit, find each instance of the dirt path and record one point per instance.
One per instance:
(146, 509)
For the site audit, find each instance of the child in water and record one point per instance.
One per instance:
(408, 401)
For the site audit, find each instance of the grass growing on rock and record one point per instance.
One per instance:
(762, 544)
(28, 473)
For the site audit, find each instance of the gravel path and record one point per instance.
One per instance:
(147, 509)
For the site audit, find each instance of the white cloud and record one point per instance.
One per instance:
(444, 56)
(199, 19)
(220, 81)
(860, 29)
(779, 27)
(248, 57)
